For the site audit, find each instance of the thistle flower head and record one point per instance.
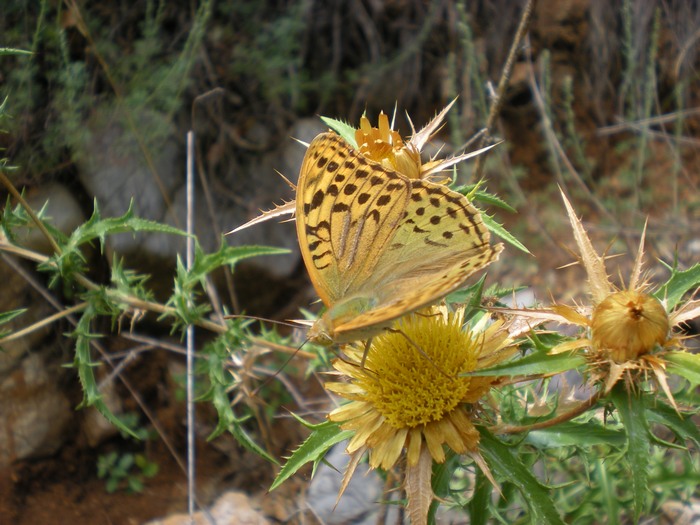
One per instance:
(628, 324)
(626, 329)
(384, 145)
(411, 392)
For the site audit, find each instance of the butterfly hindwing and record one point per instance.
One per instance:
(438, 245)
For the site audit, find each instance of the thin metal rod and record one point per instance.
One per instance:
(190, 332)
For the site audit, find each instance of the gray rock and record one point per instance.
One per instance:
(61, 209)
(361, 501)
(114, 170)
(34, 413)
(270, 189)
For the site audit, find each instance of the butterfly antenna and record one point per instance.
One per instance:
(261, 319)
(294, 354)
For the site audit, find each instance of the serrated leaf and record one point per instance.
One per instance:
(226, 255)
(313, 449)
(345, 130)
(633, 416)
(98, 228)
(535, 363)
(244, 439)
(84, 365)
(471, 296)
(484, 197)
(684, 428)
(678, 285)
(685, 365)
(572, 434)
(507, 466)
(498, 230)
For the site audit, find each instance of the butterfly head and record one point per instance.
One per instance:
(320, 333)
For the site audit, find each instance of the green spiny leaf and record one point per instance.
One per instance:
(536, 363)
(685, 365)
(498, 230)
(346, 131)
(226, 255)
(84, 365)
(684, 428)
(6, 317)
(484, 197)
(678, 285)
(631, 409)
(574, 434)
(314, 448)
(98, 228)
(506, 466)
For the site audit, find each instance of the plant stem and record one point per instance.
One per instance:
(39, 324)
(561, 418)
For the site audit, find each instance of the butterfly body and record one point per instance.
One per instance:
(378, 245)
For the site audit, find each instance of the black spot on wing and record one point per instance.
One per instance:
(383, 200)
(316, 201)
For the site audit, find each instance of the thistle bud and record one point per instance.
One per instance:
(628, 324)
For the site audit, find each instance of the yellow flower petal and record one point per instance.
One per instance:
(415, 440)
(434, 442)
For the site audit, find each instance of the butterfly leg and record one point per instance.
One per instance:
(368, 344)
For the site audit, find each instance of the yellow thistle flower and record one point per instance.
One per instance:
(626, 329)
(412, 396)
(385, 146)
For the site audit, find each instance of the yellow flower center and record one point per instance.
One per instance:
(412, 375)
(628, 324)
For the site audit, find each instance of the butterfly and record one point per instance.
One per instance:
(378, 245)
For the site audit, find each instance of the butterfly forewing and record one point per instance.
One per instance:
(347, 209)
